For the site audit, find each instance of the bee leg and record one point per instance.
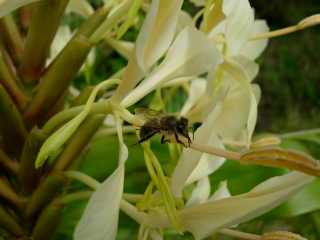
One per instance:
(189, 141)
(147, 137)
(164, 140)
(178, 140)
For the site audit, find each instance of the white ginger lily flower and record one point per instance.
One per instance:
(208, 217)
(100, 218)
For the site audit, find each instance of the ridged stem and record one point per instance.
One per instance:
(12, 38)
(9, 80)
(49, 188)
(8, 164)
(11, 123)
(28, 174)
(46, 18)
(58, 77)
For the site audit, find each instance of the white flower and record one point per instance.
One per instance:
(100, 218)
(204, 219)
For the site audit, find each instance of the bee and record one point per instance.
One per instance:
(169, 126)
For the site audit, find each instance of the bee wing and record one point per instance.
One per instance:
(148, 113)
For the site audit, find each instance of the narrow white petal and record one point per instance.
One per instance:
(197, 89)
(184, 20)
(205, 219)
(190, 54)
(100, 218)
(7, 6)
(157, 31)
(221, 193)
(253, 49)
(239, 23)
(200, 193)
(194, 165)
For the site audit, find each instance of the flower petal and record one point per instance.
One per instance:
(190, 54)
(157, 31)
(221, 193)
(200, 193)
(194, 165)
(100, 218)
(204, 219)
(7, 6)
(153, 40)
(197, 89)
(239, 23)
(253, 49)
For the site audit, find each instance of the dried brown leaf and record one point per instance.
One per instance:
(277, 157)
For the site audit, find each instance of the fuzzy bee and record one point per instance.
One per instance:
(169, 126)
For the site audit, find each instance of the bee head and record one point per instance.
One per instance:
(182, 126)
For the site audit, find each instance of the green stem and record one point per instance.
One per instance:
(9, 80)
(46, 18)
(93, 22)
(84, 178)
(83, 97)
(102, 107)
(300, 133)
(8, 164)
(58, 77)
(47, 221)
(7, 193)
(8, 223)
(71, 197)
(49, 188)
(78, 141)
(11, 37)
(11, 123)
(28, 173)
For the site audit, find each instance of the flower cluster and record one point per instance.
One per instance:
(212, 56)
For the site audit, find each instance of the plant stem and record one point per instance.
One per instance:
(71, 197)
(92, 23)
(216, 151)
(8, 223)
(300, 133)
(11, 123)
(47, 221)
(49, 188)
(84, 178)
(8, 164)
(102, 107)
(46, 17)
(10, 81)
(12, 37)
(82, 97)
(238, 234)
(7, 193)
(28, 173)
(78, 141)
(56, 79)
